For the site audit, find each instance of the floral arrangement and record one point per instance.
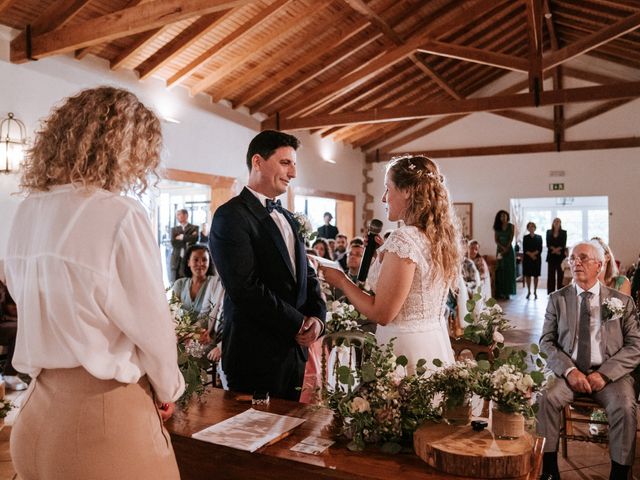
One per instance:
(342, 317)
(5, 407)
(192, 341)
(613, 308)
(512, 382)
(305, 229)
(385, 406)
(455, 382)
(486, 322)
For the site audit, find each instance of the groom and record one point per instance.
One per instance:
(272, 308)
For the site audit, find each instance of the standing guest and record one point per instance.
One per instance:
(416, 266)
(94, 329)
(532, 260)
(610, 275)
(203, 235)
(273, 309)
(483, 268)
(556, 252)
(327, 230)
(321, 247)
(469, 274)
(505, 257)
(340, 250)
(588, 362)
(182, 236)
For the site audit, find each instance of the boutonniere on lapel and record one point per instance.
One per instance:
(612, 309)
(305, 230)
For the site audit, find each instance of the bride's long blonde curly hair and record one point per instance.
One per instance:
(430, 209)
(102, 137)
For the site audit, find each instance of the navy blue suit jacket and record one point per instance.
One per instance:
(265, 303)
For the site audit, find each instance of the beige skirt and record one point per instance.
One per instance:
(73, 426)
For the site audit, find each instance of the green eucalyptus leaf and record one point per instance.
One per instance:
(437, 362)
(368, 372)
(484, 365)
(402, 360)
(477, 297)
(491, 302)
(535, 349)
(470, 305)
(537, 377)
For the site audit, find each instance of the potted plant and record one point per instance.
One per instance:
(456, 384)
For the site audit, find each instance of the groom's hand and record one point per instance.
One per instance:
(309, 332)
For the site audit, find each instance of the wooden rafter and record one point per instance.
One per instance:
(558, 110)
(180, 43)
(6, 4)
(587, 76)
(596, 144)
(484, 104)
(610, 51)
(341, 83)
(132, 50)
(56, 15)
(123, 23)
(534, 20)
(594, 112)
(284, 29)
(226, 42)
(592, 41)
(475, 55)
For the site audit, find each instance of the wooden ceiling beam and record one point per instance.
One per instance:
(558, 110)
(6, 5)
(136, 47)
(122, 23)
(587, 76)
(469, 105)
(226, 42)
(592, 41)
(56, 15)
(316, 30)
(594, 112)
(180, 43)
(342, 84)
(534, 21)
(610, 51)
(475, 55)
(258, 46)
(576, 145)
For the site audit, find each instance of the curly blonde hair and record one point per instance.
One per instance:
(611, 269)
(430, 210)
(102, 137)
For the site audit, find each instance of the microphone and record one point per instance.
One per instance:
(375, 227)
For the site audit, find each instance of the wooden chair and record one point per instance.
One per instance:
(568, 418)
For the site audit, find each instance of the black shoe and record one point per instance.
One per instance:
(618, 471)
(528, 295)
(535, 296)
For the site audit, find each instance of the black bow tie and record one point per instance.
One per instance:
(273, 205)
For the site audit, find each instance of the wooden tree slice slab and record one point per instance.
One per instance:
(458, 450)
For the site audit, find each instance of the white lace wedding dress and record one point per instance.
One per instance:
(420, 328)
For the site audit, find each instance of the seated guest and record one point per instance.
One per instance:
(327, 230)
(343, 261)
(610, 275)
(587, 362)
(8, 331)
(354, 259)
(321, 248)
(200, 289)
(331, 243)
(483, 268)
(340, 250)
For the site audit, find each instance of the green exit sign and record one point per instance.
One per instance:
(556, 186)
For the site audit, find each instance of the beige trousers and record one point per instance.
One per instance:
(73, 426)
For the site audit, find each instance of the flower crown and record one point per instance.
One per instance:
(423, 173)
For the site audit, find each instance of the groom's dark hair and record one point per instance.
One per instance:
(267, 142)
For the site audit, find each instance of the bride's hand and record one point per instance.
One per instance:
(334, 277)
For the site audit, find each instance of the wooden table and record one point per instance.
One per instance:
(202, 461)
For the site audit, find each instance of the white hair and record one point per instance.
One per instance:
(595, 246)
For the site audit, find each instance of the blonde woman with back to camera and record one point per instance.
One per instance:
(94, 331)
(415, 267)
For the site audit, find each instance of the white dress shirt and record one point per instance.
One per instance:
(595, 324)
(283, 225)
(84, 270)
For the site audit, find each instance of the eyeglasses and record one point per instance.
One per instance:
(582, 259)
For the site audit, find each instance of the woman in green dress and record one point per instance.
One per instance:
(506, 259)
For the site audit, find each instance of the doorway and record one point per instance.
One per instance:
(314, 203)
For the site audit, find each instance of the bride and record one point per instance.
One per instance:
(415, 267)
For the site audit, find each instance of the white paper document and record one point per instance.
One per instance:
(312, 445)
(323, 262)
(248, 430)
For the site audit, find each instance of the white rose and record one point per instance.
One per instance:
(498, 337)
(359, 405)
(508, 387)
(335, 305)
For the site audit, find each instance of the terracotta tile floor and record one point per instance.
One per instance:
(586, 461)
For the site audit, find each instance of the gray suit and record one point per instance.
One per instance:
(620, 349)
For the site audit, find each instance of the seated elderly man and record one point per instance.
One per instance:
(592, 339)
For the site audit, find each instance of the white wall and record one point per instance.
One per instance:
(210, 138)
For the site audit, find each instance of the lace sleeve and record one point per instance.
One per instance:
(402, 243)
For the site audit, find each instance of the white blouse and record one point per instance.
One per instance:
(85, 273)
